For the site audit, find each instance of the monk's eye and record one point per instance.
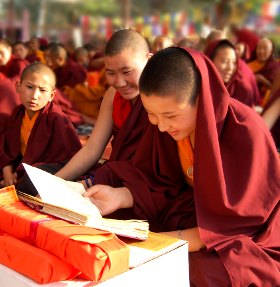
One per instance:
(127, 72)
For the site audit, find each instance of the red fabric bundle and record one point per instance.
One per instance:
(33, 262)
(99, 255)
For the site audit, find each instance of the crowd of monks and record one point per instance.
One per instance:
(91, 97)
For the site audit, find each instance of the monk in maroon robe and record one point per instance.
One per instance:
(242, 84)
(38, 131)
(9, 100)
(67, 71)
(231, 209)
(10, 66)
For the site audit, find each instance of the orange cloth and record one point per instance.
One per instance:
(33, 262)
(186, 156)
(26, 127)
(87, 99)
(99, 255)
(256, 65)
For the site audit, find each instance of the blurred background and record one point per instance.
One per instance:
(80, 21)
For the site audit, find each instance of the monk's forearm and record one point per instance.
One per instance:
(191, 235)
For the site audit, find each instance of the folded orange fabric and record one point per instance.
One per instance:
(99, 255)
(33, 262)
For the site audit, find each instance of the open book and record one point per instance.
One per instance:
(65, 200)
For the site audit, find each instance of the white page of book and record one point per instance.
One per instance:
(59, 192)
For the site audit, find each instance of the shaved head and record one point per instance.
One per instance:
(171, 71)
(57, 51)
(39, 68)
(123, 39)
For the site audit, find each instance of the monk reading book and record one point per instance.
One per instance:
(64, 199)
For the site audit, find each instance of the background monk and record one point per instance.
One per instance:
(67, 71)
(228, 208)
(265, 67)
(34, 52)
(121, 114)
(38, 131)
(9, 100)
(236, 75)
(20, 50)
(9, 65)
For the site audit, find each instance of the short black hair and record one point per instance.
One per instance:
(171, 71)
(221, 45)
(126, 38)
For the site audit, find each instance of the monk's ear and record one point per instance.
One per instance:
(150, 55)
(17, 86)
(52, 95)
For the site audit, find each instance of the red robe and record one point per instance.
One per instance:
(235, 199)
(242, 85)
(68, 108)
(9, 100)
(70, 74)
(275, 130)
(53, 139)
(14, 68)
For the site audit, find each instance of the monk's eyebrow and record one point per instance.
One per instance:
(164, 113)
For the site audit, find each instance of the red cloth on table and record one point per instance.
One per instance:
(99, 255)
(33, 262)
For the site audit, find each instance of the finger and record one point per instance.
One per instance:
(92, 190)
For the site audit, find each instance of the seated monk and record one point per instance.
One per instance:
(9, 100)
(34, 52)
(87, 100)
(20, 50)
(206, 170)
(38, 131)
(67, 71)
(121, 113)
(265, 68)
(236, 75)
(9, 65)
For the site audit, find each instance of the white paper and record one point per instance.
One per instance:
(59, 192)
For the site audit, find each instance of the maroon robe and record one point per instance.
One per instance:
(275, 130)
(242, 85)
(250, 38)
(68, 108)
(235, 199)
(14, 68)
(71, 74)
(53, 139)
(9, 100)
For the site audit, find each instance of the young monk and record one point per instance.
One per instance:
(38, 132)
(228, 207)
(121, 114)
(67, 71)
(10, 67)
(236, 75)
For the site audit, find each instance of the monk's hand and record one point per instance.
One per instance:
(10, 179)
(109, 199)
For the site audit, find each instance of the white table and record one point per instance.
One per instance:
(170, 269)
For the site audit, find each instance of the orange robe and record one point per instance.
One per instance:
(186, 156)
(87, 100)
(26, 127)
